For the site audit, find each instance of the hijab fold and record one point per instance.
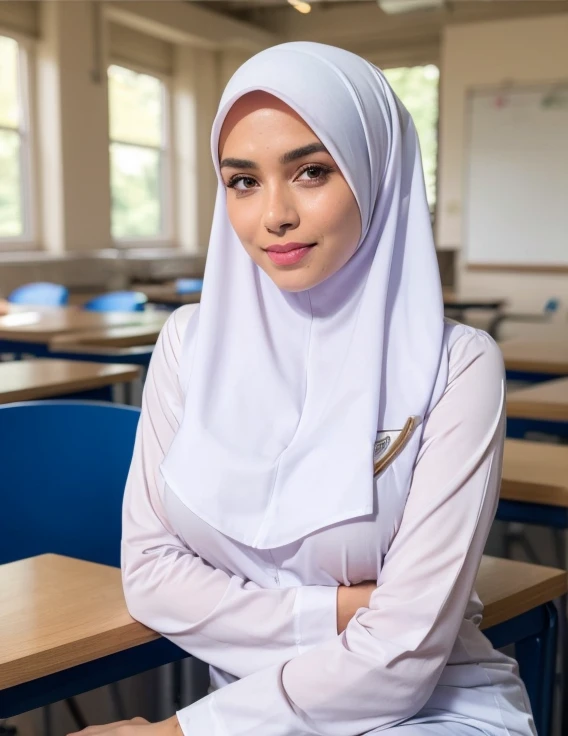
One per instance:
(286, 391)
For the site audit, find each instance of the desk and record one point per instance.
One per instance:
(457, 305)
(548, 401)
(534, 490)
(68, 350)
(535, 473)
(167, 295)
(537, 359)
(462, 303)
(108, 337)
(539, 408)
(65, 628)
(30, 331)
(27, 380)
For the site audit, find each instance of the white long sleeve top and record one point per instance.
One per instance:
(265, 620)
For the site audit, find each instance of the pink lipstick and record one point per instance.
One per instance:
(288, 254)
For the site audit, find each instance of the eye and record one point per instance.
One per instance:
(247, 181)
(314, 173)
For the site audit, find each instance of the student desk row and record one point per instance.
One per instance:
(36, 332)
(29, 380)
(65, 629)
(166, 295)
(71, 334)
(538, 359)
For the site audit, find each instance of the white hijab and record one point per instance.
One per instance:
(285, 392)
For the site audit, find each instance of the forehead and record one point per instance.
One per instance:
(258, 117)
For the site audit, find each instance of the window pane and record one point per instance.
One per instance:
(11, 220)
(417, 88)
(9, 97)
(135, 107)
(136, 189)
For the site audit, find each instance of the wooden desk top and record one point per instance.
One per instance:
(508, 588)
(26, 380)
(109, 337)
(56, 612)
(538, 355)
(58, 345)
(167, 294)
(535, 472)
(547, 401)
(42, 325)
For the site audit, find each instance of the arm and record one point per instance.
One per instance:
(385, 666)
(223, 620)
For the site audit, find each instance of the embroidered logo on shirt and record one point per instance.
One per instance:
(389, 443)
(381, 445)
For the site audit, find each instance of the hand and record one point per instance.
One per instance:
(349, 599)
(134, 727)
(4, 306)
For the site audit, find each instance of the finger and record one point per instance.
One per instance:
(139, 721)
(99, 729)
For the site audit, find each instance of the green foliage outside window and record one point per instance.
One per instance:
(136, 107)
(417, 88)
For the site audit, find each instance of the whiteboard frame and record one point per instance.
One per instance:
(488, 90)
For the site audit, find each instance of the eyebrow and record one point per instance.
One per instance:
(244, 163)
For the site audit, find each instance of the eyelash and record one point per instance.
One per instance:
(325, 172)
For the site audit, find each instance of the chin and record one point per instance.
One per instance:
(293, 281)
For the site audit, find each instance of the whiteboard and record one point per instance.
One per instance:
(516, 188)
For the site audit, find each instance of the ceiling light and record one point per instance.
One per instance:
(300, 6)
(393, 7)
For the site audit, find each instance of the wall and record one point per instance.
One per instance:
(523, 50)
(71, 45)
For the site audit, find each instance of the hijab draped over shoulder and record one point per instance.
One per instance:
(285, 392)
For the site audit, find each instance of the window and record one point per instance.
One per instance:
(417, 88)
(139, 157)
(15, 192)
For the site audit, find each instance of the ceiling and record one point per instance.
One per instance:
(260, 11)
(244, 9)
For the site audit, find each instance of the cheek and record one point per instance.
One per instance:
(338, 218)
(244, 218)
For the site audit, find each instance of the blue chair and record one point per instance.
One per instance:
(64, 466)
(551, 306)
(188, 286)
(40, 294)
(118, 301)
(63, 471)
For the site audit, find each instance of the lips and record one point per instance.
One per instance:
(287, 247)
(288, 254)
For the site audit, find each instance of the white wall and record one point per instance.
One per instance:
(522, 50)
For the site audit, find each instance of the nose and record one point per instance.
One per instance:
(280, 212)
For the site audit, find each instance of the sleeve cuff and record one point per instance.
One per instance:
(201, 718)
(315, 616)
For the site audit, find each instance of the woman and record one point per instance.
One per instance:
(315, 425)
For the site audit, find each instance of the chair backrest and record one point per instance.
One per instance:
(188, 286)
(118, 301)
(63, 467)
(551, 305)
(40, 294)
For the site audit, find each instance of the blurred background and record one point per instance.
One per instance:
(105, 111)
(106, 181)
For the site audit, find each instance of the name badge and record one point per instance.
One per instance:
(389, 443)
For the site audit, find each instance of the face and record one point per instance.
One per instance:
(287, 201)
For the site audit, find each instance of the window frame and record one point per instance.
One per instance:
(167, 238)
(28, 240)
